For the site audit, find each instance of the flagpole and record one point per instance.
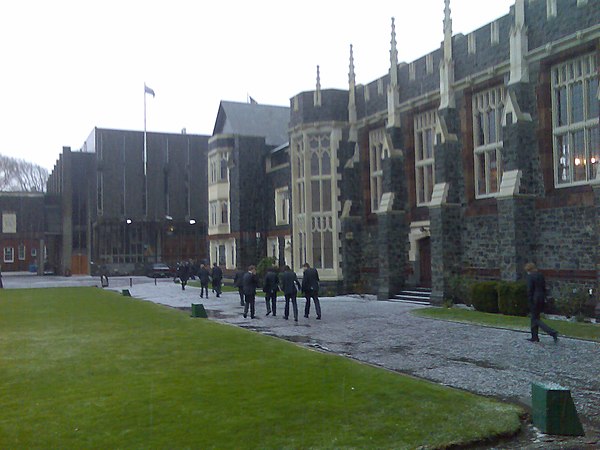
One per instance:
(145, 159)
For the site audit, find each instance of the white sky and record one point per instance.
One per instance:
(67, 66)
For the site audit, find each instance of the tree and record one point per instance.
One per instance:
(21, 176)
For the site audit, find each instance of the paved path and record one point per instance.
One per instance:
(486, 361)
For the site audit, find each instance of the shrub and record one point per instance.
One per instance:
(263, 266)
(512, 298)
(484, 296)
(458, 288)
(574, 302)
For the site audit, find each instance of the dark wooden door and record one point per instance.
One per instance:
(425, 262)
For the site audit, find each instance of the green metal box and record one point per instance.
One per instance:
(553, 410)
(198, 310)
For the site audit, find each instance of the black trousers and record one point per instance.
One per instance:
(271, 301)
(250, 300)
(537, 323)
(241, 292)
(315, 298)
(291, 297)
(216, 285)
(203, 287)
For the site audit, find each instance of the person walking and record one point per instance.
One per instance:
(183, 273)
(238, 282)
(217, 277)
(536, 297)
(250, 283)
(270, 288)
(310, 287)
(204, 277)
(103, 276)
(290, 286)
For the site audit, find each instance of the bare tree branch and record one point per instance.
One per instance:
(21, 175)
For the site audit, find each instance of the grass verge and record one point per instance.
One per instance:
(86, 368)
(578, 330)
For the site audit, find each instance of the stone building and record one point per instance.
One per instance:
(469, 161)
(127, 201)
(248, 185)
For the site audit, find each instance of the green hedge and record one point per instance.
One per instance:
(484, 296)
(512, 298)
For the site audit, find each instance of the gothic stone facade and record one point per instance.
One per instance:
(468, 161)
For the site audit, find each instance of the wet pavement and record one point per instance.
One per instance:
(486, 361)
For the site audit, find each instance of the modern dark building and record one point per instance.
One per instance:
(128, 200)
(248, 175)
(468, 161)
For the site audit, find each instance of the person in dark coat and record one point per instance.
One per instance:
(310, 287)
(290, 286)
(217, 277)
(183, 273)
(204, 277)
(249, 285)
(270, 288)
(238, 283)
(536, 297)
(104, 275)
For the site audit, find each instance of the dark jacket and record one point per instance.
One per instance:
(216, 274)
(183, 272)
(289, 281)
(238, 279)
(203, 275)
(250, 283)
(310, 281)
(536, 291)
(271, 284)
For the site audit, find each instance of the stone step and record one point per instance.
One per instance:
(421, 296)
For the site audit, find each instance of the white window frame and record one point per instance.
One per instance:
(21, 252)
(377, 150)
(213, 216)
(224, 213)
(9, 254)
(282, 206)
(583, 71)
(488, 104)
(425, 125)
(216, 159)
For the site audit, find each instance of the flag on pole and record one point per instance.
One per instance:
(148, 90)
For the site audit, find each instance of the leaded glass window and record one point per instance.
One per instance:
(488, 108)
(424, 127)
(575, 121)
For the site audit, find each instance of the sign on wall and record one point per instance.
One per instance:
(9, 223)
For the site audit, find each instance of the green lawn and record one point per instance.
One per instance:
(87, 368)
(572, 329)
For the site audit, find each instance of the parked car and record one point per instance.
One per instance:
(159, 270)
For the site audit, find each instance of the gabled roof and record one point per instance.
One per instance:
(252, 119)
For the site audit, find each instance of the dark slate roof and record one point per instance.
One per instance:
(251, 119)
